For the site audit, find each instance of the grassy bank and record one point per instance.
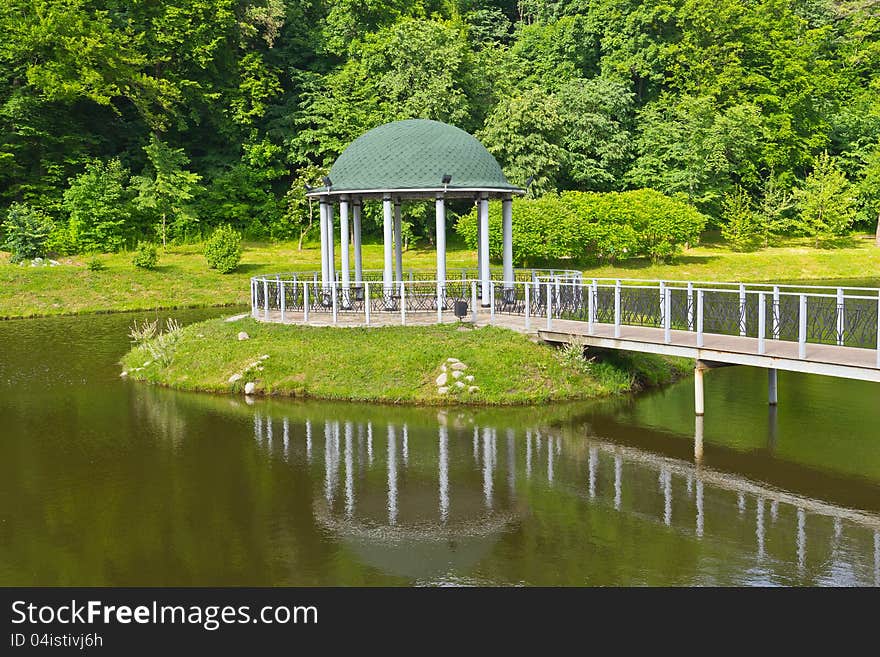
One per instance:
(392, 365)
(182, 278)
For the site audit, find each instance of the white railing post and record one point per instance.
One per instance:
(439, 303)
(474, 302)
(762, 323)
(775, 312)
(549, 306)
(491, 301)
(305, 301)
(402, 303)
(266, 298)
(662, 303)
(591, 328)
(840, 321)
(802, 326)
(617, 309)
(594, 297)
(699, 318)
(742, 309)
(667, 319)
(690, 306)
(878, 330)
(367, 302)
(283, 300)
(528, 285)
(253, 298)
(333, 296)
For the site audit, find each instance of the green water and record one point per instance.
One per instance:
(106, 482)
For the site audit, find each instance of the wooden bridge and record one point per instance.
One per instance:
(811, 329)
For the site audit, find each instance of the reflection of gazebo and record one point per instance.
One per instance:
(414, 159)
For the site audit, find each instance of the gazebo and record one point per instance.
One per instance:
(415, 159)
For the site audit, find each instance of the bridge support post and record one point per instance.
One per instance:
(772, 397)
(699, 407)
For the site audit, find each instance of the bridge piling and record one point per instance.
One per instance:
(771, 387)
(699, 408)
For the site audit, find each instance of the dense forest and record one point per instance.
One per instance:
(124, 119)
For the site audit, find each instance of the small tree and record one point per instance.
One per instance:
(167, 187)
(223, 250)
(27, 231)
(98, 203)
(774, 208)
(825, 202)
(869, 191)
(742, 226)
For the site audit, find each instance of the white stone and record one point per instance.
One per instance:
(123, 374)
(442, 390)
(264, 356)
(53, 263)
(443, 368)
(441, 380)
(458, 365)
(459, 384)
(452, 360)
(243, 336)
(469, 378)
(234, 378)
(456, 374)
(473, 389)
(250, 388)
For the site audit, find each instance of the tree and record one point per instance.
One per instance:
(98, 204)
(825, 202)
(524, 132)
(167, 187)
(27, 231)
(741, 227)
(869, 191)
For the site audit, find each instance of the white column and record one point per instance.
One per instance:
(331, 256)
(484, 250)
(358, 256)
(507, 236)
(699, 407)
(323, 213)
(343, 249)
(440, 212)
(479, 240)
(387, 276)
(772, 395)
(398, 244)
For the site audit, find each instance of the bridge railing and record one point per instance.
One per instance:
(846, 317)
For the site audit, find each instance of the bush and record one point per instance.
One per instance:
(589, 225)
(95, 264)
(223, 250)
(27, 232)
(742, 226)
(146, 256)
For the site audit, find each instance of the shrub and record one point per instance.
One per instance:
(95, 264)
(145, 256)
(27, 232)
(826, 202)
(223, 250)
(589, 225)
(742, 226)
(98, 203)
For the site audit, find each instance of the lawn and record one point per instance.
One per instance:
(182, 278)
(390, 365)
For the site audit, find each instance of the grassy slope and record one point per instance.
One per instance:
(183, 280)
(395, 365)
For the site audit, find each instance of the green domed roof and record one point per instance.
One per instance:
(414, 155)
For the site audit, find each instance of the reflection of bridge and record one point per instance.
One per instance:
(477, 474)
(819, 330)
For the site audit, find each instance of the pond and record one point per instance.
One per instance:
(107, 482)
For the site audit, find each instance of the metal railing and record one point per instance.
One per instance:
(845, 317)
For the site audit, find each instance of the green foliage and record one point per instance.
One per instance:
(742, 226)
(166, 188)
(98, 205)
(223, 250)
(146, 256)
(825, 203)
(95, 264)
(591, 226)
(27, 232)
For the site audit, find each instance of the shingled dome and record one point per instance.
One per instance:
(411, 158)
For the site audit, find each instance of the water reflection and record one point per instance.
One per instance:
(801, 540)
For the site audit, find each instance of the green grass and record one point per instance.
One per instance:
(182, 278)
(391, 365)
